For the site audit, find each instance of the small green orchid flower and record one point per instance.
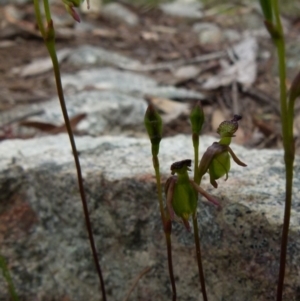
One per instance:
(216, 159)
(182, 192)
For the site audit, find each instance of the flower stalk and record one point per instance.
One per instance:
(153, 124)
(48, 35)
(287, 102)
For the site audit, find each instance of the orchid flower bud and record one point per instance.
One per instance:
(227, 129)
(197, 119)
(69, 5)
(153, 124)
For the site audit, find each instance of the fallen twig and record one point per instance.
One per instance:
(178, 63)
(135, 282)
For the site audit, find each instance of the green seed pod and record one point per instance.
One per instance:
(219, 167)
(197, 118)
(184, 200)
(153, 124)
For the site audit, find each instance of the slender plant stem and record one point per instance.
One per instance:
(78, 167)
(197, 180)
(170, 265)
(196, 157)
(39, 18)
(167, 224)
(159, 189)
(199, 258)
(47, 10)
(288, 143)
(50, 44)
(285, 231)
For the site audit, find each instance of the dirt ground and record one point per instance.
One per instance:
(173, 39)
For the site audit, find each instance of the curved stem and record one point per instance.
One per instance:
(197, 180)
(167, 224)
(285, 229)
(170, 265)
(199, 258)
(287, 114)
(47, 10)
(52, 53)
(196, 157)
(50, 44)
(135, 282)
(38, 17)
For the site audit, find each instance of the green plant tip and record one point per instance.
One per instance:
(153, 124)
(197, 118)
(69, 5)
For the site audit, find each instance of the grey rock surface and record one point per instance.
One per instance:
(208, 33)
(118, 12)
(43, 235)
(123, 82)
(91, 55)
(183, 9)
(106, 111)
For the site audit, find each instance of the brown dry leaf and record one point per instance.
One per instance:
(104, 33)
(149, 36)
(74, 121)
(218, 116)
(40, 65)
(51, 128)
(171, 109)
(186, 72)
(240, 136)
(7, 43)
(243, 70)
(265, 128)
(164, 29)
(42, 126)
(15, 16)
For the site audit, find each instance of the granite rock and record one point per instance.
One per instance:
(105, 112)
(124, 82)
(183, 9)
(43, 235)
(208, 33)
(118, 12)
(86, 55)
